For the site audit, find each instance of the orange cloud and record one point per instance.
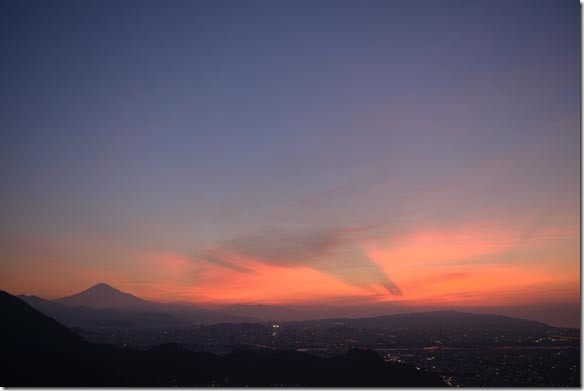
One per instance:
(471, 264)
(269, 284)
(482, 264)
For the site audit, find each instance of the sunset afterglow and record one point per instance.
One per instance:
(301, 153)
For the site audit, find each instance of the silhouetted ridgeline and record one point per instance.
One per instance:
(90, 317)
(103, 306)
(113, 303)
(38, 351)
(435, 321)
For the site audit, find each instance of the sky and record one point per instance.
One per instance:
(334, 153)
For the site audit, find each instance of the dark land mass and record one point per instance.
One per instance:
(463, 349)
(435, 321)
(39, 351)
(102, 306)
(88, 317)
(121, 304)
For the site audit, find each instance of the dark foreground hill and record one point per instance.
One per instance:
(38, 351)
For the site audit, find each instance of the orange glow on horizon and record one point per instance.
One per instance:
(468, 265)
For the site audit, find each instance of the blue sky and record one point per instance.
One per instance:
(184, 127)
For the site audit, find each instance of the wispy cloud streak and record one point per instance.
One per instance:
(333, 252)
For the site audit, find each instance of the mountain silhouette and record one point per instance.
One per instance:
(38, 351)
(435, 321)
(105, 306)
(27, 328)
(105, 296)
(88, 317)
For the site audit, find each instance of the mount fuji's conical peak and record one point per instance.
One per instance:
(102, 295)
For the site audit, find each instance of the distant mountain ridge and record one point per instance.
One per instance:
(88, 317)
(103, 304)
(40, 352)
(102, 295)
(434, 320)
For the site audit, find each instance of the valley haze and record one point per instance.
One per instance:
(105, 297)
